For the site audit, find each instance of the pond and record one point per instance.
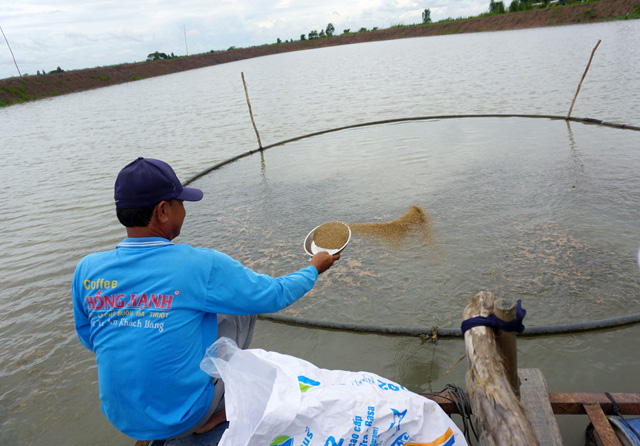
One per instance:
(537, 209)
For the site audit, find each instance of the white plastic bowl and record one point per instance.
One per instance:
(312, 249)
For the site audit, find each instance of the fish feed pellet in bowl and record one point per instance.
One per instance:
(331, 235)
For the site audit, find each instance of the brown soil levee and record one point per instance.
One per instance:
(16, 90)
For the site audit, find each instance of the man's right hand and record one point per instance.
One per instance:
(323, 261)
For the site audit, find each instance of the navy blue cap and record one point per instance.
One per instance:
(147, 181)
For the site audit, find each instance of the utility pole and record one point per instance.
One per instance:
(185, 38)
(14, 58)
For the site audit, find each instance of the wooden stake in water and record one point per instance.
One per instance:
(583, 76)
(250, 112)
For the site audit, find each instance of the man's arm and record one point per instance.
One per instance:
(234, 289)
(83, 324)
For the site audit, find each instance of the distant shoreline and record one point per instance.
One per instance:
(28, 88)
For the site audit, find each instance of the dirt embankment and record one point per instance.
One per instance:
(16, 90)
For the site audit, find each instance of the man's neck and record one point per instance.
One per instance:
(141, 232)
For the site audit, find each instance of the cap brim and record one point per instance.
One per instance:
(190, 194)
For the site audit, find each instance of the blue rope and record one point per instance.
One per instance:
(494, 322)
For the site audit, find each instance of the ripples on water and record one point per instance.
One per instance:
(500, 194)
(513, 218)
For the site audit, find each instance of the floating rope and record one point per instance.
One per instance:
(422, 118)
(424, 332)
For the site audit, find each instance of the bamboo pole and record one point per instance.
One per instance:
(583, 76)
(500, 416)
(250, 112)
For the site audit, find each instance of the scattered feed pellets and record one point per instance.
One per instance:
(414, 220)
(334, 235)
(331, 235)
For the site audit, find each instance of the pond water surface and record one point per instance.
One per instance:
(536, 209)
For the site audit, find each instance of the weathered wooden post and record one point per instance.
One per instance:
(505, 310)
(500, 416)
(250, 112)
(582, 79)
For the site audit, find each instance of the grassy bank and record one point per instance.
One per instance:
(28, 88)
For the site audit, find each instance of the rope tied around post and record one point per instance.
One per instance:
(496, 323)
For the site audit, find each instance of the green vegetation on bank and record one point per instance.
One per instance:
(16, 90)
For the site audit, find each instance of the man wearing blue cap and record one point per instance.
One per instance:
(149, 309)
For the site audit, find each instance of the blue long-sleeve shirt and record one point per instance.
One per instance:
(148, 310)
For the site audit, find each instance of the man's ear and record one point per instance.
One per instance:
(161, 212)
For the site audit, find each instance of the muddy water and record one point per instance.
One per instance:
(535, 209)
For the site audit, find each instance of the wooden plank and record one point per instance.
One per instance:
(563, 403)
(446, 401)
(573, 403)
(534, 396)
(602, 425)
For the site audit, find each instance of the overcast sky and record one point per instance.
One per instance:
(74, 34)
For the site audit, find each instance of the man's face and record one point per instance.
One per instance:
(176, 214)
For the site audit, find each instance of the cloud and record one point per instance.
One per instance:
(76, 34)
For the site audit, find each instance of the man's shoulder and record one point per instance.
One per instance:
(198, 251)
(192, 249)
(168, 249)
(91, 261)
(216, 259)
(97, 255)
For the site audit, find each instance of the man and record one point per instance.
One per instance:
(149, 309)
